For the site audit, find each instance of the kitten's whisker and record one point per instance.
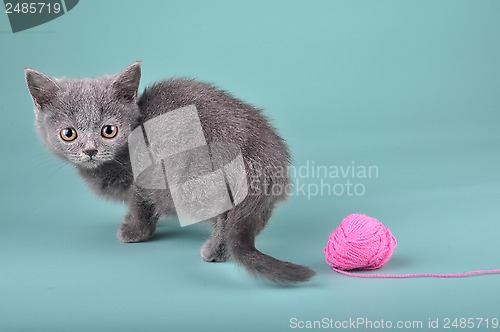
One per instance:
(49, 170)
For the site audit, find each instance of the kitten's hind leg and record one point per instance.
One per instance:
(214, 249)
(140, 221)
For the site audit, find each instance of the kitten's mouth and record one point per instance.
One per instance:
(90, 162)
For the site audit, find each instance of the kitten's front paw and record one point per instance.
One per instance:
(135, 233)
(213, 253)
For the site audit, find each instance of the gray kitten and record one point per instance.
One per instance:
(87, 122)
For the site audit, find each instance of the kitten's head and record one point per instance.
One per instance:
(86, 121)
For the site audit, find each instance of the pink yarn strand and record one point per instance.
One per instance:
(417, 275)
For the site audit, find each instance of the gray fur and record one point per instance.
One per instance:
(90, 103)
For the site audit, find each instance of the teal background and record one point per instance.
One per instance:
(411, 87)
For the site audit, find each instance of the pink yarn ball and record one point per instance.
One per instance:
(360, 242)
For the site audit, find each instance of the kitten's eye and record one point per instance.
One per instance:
(68, 134)
(109, 131)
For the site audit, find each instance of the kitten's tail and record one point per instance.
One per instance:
(260, 264)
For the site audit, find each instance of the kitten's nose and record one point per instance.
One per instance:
(90, 152)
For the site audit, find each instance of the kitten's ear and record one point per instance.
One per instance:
(43, 89)
(126, 84)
